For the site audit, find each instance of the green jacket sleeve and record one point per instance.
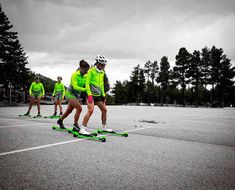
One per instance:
(43, 91)
(63, 91)
(102, 88)
(75, 84)
(53, 94)
(88, 80)
(30, 89)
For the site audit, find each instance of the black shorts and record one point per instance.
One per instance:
(98, 98)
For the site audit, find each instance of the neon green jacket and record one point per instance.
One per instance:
(37, 88)
(95, 83)
(77, 82)
(59, 87)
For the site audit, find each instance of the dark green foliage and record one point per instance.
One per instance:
(205, 66)
(205, 78)
(221, 75)
(164, 77)
(120, 92)
(195, 75)
(180, 69)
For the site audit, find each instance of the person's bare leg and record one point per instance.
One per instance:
(60, 106)
(76, 104)
(90, 109)
(55, 107)
(38, 104)
(103, 110)
(102, 106)
(67, 112)
(32, 100)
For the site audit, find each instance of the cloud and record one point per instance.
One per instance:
(59, 32)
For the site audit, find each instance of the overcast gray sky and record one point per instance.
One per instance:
(56, 34)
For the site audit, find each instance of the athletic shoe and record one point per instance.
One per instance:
(54, 114)
(61, 113)
(60, 123)
(106, 129)
(83, 131)
(76, 127)
(39, 115)
(26, 114)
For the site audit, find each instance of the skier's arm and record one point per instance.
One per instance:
(75, 84)
(43, 91)
(53, 94)
(88, 80)
(63, 91)
(30, 89)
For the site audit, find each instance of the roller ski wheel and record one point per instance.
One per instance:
(125, 134)
(99, 131)
(103, 139)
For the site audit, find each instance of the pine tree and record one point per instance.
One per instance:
(164, 76)
(194, 73)
(182, 64)
(141, 84)
(119, 92)
(216, 57)
(154, 71)
(147, 71)
(222, 74)
(206, 65)
(13, 59)
(134, 84)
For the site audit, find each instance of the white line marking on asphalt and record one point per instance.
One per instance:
(149, 127)
(39, 147)
(26, 124)
(60, 143)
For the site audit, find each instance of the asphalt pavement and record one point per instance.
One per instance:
(167, 148)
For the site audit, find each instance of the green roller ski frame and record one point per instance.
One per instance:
(64, 130)
(124, 134)
(52, 117)
(93, 135)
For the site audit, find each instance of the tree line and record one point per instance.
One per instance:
(200, 78)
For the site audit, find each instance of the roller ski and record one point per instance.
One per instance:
(91, 136)
(77, 132)
(25, 115)
(106, 130)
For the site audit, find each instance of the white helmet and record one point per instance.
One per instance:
(101, 59)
